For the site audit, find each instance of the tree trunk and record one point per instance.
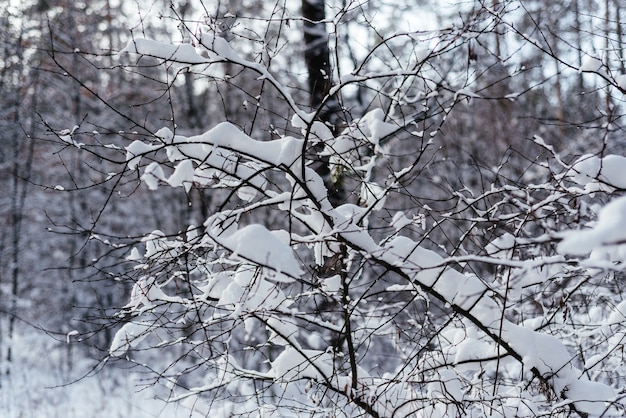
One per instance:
(317, 53)
(317, 59)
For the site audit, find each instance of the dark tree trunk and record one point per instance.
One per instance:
(317, 59)
(316, 52)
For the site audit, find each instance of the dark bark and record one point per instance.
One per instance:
(316, 52)
(317, 59)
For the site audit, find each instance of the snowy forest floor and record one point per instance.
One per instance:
(41, 385)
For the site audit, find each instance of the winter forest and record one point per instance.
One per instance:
(340, 208)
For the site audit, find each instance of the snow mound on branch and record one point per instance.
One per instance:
(183, 175)
(294, 364)
(254, 243)
(610, 229)
(501, 247)
(374, 127)
(184, 53)
(146, 291)
(591, 397)
(246, 292)
(128, 336)
(409, 255)
(541, 352)
(135, 151)
(152, 174)
(597, 173)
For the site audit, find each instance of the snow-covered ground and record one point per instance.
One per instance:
(42, 385)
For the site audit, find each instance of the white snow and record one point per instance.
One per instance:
(283, 332)
(610, 229)
(590, 64)
(260, 262)
(134, 255)
(66, 136)
(376, 126)
(130, 335)
(146, 291)
(465, 93)
(414, 258)
(255, 243)
(152, 174)
(400, 220)
(590, 397)
(292, 364)
(617, 316)
(183, 175)
(135, 151)
(594, 172)
(218, 45)
(53, 378)
(332, 284)
(373, 195)
(501, 246)
(184, 53)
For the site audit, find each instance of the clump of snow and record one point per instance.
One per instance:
(130, 335)
(135, 151)
(152, 174)
(466, 93)
(183, 175)
(373, 195)
(399, 221)
(317, 131)
(374, 126)
(411, 256)
(292, 364)
(447, 391)
(590, 64)
(146, 291)
(66, 136)
(184, 53)
(610, 229)
(283, 332)
(367, 131)
(590, 397)
(218, 45)
(301, 120)
(332, 284)
(471, 347)
(134, 255)
(246, 291)
(165, 134)
(595, 173)
(617, 316)
(255, 243)
(501, 246)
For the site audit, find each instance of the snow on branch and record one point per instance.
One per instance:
(424, 291)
